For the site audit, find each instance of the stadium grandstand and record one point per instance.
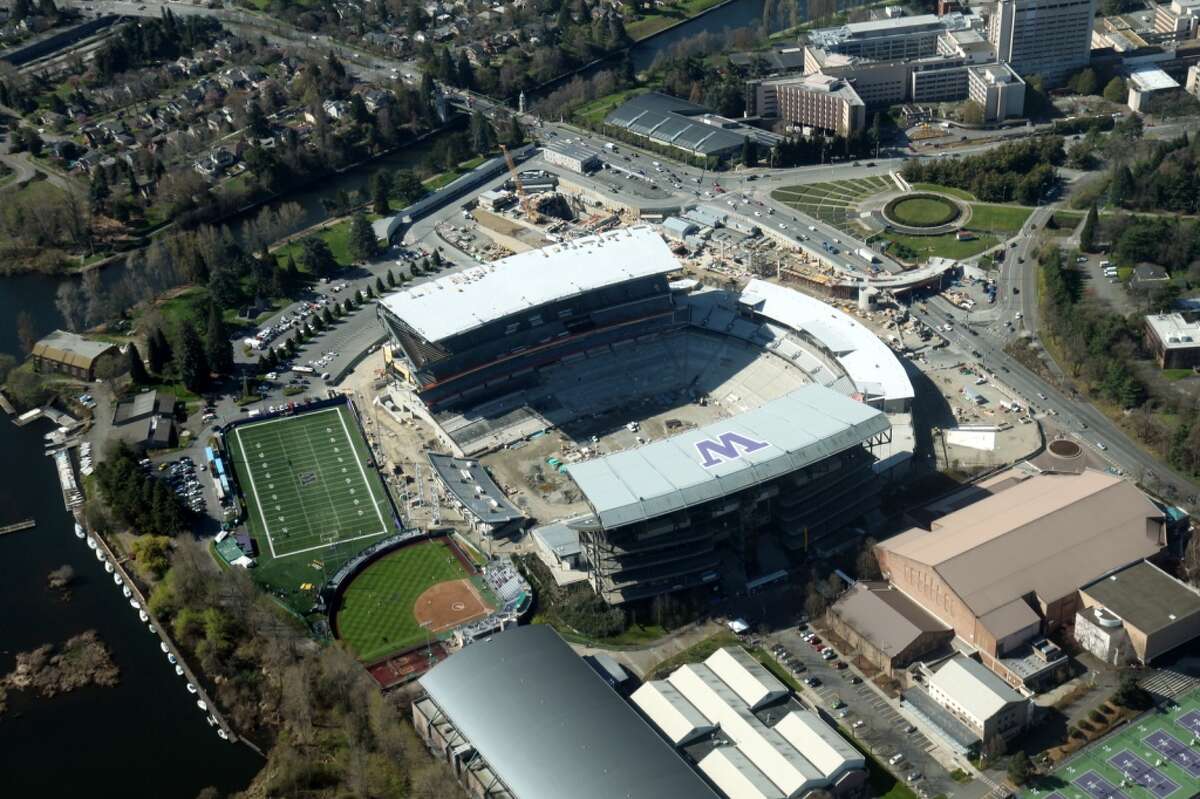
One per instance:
(479, 333)
(746, 733)
(666, 515)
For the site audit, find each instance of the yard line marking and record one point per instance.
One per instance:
(363, 472)
(266, 530)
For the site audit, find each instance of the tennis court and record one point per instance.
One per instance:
(1155, 756)
(308, 482)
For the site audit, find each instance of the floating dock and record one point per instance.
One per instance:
(17, 527)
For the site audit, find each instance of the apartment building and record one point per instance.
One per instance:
(998, 90)
(1051, 38)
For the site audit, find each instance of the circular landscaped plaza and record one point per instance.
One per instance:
(922, 211)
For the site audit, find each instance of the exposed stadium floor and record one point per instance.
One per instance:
(666, 371)
(309, 485)
(408, 597)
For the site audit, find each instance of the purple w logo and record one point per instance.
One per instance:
(726, 448)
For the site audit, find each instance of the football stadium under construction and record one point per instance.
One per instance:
(687, 425)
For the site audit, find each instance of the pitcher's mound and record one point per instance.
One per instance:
(449, 604)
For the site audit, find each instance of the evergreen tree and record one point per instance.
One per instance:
(218, 348)
(158, 351)
(326, 315)
(1087, 235)
(749, 152)
(379, 285)
(318, 258)
(381, 188)
(137, 369)
(362, 244)
(190, 359)
(99, 191)
(293, 274)
(1122, 185)
(391, 279)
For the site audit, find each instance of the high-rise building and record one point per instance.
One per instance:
(1051, 38)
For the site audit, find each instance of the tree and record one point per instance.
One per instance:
(218, 349)
(317, 256)
(749, 152)
(408, 187)
(99, 191)
(1087, 235)
(1086, 82)
(158, 350)
(1115, 91)
(190, 359)
(1131, 695)
(1122, 185)
(1019, 768)
(381, 188)
(867, 565)
(391, 279)
(151, 553)
(815, 603)
(379, 289)
(363, 244)
(972, 113)
(136, 368)
(25, 331)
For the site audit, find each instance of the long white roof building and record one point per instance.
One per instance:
(748, 758)
(463, 301)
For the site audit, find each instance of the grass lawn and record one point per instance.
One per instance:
(313, 498)
(940, 189)
(1177, 374)
(1161, 739)
(679, 10)
(696, 652)
(1064, 223)
(337, 236)
(944, 246)
(923, 211)
(376, 617)
(598, 109)
(998, 218)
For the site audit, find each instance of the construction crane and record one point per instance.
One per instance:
(524, 200)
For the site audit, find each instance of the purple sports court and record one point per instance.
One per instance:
(1190, 721)
(1143, 774)
(1099, 788)
(1174, 750)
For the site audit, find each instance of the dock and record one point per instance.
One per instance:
(7, 406)
(17, 527)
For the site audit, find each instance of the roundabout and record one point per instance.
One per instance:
(925, 214)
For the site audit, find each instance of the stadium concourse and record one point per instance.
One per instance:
(707, 414)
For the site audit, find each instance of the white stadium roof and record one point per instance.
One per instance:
(820, 743)
(789, 433)
(868, 361)
(463, 301)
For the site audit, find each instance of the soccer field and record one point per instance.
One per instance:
(307, 482)
(379, 613)
(1156, 756)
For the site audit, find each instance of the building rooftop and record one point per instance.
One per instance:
(571, 150)
(1151, 79)
(1174, 331)
(994, 74)
(1047, 535)
(885, 617)
(867, 359)
(822, 84)
(71, 349)
(1145, 597)
(972, 686)
(474, 487)
(466, 300)
(671, 120)
(787, 434)
(158, 403)
(549, 726)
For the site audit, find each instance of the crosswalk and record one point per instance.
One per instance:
(1167, 683)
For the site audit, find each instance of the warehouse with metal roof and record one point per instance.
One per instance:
(520, 716)
(675, 122)
(71, 353)
(771, 750)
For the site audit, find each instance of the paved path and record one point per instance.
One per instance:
(643, 661)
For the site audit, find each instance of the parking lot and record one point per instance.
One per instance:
(182, 477)
(864, 713)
